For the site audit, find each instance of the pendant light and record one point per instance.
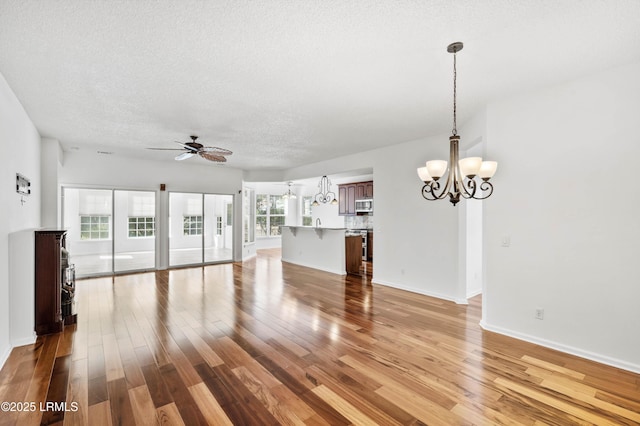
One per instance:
(324, 195)
(460, 181)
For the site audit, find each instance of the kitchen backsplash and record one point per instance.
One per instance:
(358, 222)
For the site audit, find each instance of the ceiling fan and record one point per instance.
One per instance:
(211, 153)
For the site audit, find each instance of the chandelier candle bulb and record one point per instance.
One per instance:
(470, 166)
(436, 168)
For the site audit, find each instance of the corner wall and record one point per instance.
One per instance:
(565, 198)
(19, 153)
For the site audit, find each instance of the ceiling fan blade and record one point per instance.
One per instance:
(212, 157)
(215, 150)
(185, 155)
(191, 146)
(166, 149)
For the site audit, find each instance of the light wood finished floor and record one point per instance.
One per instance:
(266, 343)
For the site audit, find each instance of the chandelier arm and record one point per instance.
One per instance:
(469, 187)
(484, 187)
(429, 191)
(447, 187)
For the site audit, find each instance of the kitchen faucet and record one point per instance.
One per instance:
(318, 223)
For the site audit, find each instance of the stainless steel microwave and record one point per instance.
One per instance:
(364, 206)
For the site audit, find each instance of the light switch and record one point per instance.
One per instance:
(506, 241)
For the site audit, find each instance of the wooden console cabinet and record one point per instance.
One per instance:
(49, 278)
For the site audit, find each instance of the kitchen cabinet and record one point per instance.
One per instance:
(368, 189)
(342, 200)
(347, 200)
(370, 246)
(349, 193)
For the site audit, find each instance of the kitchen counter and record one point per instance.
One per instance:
(315, 247)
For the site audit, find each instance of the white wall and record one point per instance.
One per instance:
(565, 196)
(19, 153)
(470, 231)
(416, 241)
(328, 214)
(51, 163)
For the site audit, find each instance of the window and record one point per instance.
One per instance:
(140, 227)
(270, 214)
(95, 227)
(248, 216)
(229, 214)
(218, 225)
(306, 211)
(192, 225)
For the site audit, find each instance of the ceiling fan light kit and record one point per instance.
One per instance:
(289, 195)
(460, 182)
(211, 153)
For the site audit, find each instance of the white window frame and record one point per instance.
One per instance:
(91, 232)
(141, 231)
(271, 199)
(188, 221)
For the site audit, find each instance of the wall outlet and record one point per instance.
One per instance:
(540, 313)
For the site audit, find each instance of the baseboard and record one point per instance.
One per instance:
(251, 256)
(24, 341)
(332, 271)
(602, 359)
(5, 356)
(414, 290)
(474, 293)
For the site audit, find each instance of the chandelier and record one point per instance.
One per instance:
(324, 195)
(460, 182)
(289, 195)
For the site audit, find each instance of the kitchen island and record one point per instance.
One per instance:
(315, 247)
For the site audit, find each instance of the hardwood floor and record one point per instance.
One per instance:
(266, 343)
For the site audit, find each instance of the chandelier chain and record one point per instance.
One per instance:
(455, 129)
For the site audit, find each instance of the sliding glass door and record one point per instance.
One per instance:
(109, 230)
(113, 231)
(200, 228)
(134, 230)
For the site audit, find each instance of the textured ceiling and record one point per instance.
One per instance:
(287, 83)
